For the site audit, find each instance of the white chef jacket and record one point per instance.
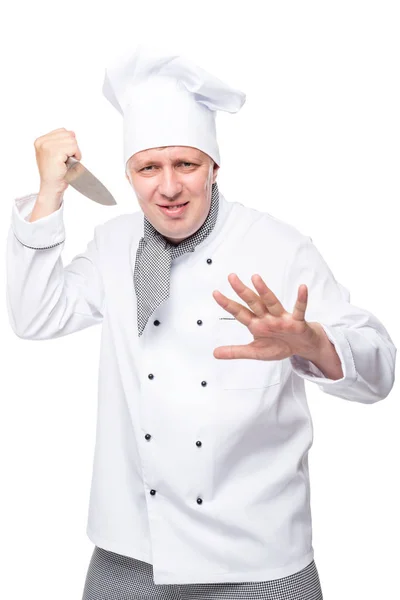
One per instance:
(200, 464)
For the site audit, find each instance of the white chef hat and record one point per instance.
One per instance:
(166, 100)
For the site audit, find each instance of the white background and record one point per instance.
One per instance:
(316, 144)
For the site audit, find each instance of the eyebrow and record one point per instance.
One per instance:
(148, 161)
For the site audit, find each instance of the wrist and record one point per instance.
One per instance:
(315, 344)
(49, 196)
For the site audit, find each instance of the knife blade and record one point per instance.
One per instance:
(86, 183)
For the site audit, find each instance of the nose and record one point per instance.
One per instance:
(169, 185)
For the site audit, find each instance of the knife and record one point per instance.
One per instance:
(86, 183)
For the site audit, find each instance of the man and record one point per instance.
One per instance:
(200, 479)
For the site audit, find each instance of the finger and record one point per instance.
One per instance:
(241, 313)
(238, 351)
(269, 301)
(252, 299)
(300, 307)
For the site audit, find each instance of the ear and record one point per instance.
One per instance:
(215, 172)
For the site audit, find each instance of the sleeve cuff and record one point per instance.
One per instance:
(43, 233)
(307, 370)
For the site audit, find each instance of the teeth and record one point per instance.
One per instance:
(174, 207)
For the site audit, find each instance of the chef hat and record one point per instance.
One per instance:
(166, 100)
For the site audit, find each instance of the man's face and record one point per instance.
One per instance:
(173, 175)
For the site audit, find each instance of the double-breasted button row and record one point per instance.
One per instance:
(199, 500)
(198, 444)
(147, 436)
(157, 322)
(151, 376)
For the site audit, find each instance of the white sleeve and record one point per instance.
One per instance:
(366, 351)
(45, 299)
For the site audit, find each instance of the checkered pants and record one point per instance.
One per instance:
(112, 576)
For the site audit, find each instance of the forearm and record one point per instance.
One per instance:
(46, 203)
(45, 298)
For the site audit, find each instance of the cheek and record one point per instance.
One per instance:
(144, 191)
(141, 185)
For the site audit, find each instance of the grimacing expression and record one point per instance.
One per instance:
(173, 175)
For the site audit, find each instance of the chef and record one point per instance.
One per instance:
(213, 315)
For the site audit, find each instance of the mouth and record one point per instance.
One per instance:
(177, 209)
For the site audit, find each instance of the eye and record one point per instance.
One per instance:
(190, 164)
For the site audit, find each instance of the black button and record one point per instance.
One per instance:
(199, 500)
(204, 383)
(151, 376)
(147, 436)
(199, 322)
(209, 261)
(152, 492)
(156, 322)
(198, 443)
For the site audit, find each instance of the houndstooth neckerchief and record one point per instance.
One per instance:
(154, 257)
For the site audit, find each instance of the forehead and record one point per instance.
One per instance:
(169, 152)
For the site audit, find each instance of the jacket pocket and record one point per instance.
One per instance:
(242, 373)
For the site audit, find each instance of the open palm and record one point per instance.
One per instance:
(277, 333)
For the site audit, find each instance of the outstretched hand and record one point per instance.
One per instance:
(277, 333)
